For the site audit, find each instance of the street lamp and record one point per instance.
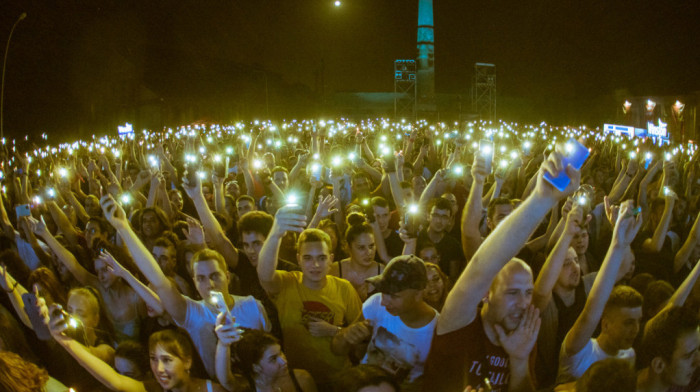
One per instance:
(4, 64)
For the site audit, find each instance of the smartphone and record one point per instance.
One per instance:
(191, 174)
(23, 210)
(575, 155)
(647, 161)
(410, 223)
(486, 150)
(316, 171)
(32, 310)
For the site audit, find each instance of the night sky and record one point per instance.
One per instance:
(555, 59)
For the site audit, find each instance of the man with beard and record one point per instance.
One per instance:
(480, 345)
(618, 309)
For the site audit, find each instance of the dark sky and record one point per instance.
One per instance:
(69, 58)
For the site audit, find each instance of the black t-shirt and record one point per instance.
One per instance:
(465, 357)
(394, 246)
(449, 249)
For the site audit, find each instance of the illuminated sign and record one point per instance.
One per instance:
(126, 129)
(619, 130)
(657, 130)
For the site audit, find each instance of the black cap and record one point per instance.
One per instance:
(402, 272)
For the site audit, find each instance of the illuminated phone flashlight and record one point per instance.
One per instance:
(633, 154)
(73, 322)
(292, 199)
(475, 145)
(37, 200)
(458, 169)
(278, 144)
(257, 164)
(153, 160)
(116, 153)
(217, 158)
(202, 175)
(229, 150)
(316, 156)
(582, 200)
(647, 156)
(126, 198)
(439, 142)
(365, 202)
(503, 164)
(336, 161)
(503, 149)
(63, 172)
(351, 156)
(210, 139)
(383, 138)
(486, 150)
(315, 168)
(413, 208)
(51, 192)
(668, 156)
(667, 191)
(385, 151)
(513, 154)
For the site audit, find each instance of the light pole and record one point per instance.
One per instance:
(4, 65)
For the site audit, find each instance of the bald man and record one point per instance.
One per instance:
(488, 326)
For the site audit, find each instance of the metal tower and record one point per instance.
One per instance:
(405, 89)
(426, 55)
(484, 91)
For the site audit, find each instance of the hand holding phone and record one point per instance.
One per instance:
(575, 154)
(486, 150)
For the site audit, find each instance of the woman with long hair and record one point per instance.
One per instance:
(19, 375)
(359, 238)
(170, 359)
(258, 357)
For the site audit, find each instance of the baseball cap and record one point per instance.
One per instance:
(402, 272)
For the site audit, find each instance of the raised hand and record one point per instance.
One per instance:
(226, 329)
(627, 225)
(326, 206)
(287, 219)
(193, 190)
(611, 211)
(37, 226)
(519, 343)
(113, 212)
(112, 264)
(574, 220)
(194, 232)
(554, 164)
(479, 172)
(6, 279)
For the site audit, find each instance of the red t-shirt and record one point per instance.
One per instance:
(466, 357)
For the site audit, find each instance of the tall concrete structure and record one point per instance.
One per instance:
(426, 57)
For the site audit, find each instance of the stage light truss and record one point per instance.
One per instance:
(484, 91)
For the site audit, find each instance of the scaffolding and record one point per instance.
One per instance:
(405, 89)
(484, 91)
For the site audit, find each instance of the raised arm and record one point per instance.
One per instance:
(555, 261)
(689, 245)
(147, 295)
(82, 275)
(173, 302)
(285, 220)
(502, 245)
(625, 230)
(15, 291)
(212, 228)
(99, 369)
(656, 242)
(473, 210)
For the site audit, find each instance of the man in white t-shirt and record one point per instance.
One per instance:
(400, 322)
(619, 310)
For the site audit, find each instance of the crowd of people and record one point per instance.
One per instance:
(350, 256)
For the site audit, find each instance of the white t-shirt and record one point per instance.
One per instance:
(571, 368)
(399, 349)
(201, 319)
